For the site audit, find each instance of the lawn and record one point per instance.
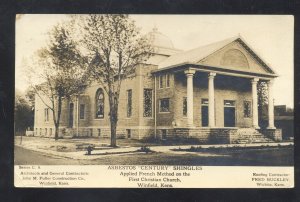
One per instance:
(74, 144)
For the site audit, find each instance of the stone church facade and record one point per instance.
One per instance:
(208, 93)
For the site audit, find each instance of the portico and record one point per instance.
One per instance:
(216, 93)
(211, 76)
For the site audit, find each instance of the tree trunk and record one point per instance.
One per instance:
(56, 132)
(113, 121)
(56, 122)
(113, 131)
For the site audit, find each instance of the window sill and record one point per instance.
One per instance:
(147, 117)
(164, 112)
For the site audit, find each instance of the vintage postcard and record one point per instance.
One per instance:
(154, 101)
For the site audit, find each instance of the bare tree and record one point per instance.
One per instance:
(62, 70)
(29, 95)
(114, 47)
(262, 91)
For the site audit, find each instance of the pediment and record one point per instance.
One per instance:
(237, 56)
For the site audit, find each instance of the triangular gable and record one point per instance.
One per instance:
(236, 55)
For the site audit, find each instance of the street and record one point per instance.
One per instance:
(26, 156)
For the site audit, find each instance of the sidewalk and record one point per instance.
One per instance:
(39, 145)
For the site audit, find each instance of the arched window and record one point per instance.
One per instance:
(234, 58)
(99, 103)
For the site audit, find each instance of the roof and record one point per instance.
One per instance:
(160, 40)
(162, 44)
(195, 55)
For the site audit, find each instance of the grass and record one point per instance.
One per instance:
(80, 144)
(145, 149)
(231, 149)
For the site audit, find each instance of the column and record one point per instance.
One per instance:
(270, 105)
(254, 103)
(190, 97)
(211, 100)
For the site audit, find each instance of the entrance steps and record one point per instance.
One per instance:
(250, 135)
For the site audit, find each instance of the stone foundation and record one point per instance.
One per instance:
(202, 135)
(207, 135)
(223, 135)
(95, 132)
(274, 134)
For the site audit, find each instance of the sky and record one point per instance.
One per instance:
(270, 36)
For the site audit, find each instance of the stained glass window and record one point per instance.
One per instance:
(184, 108)
(229, 103)
(167, 80)
(147, 102)
(129, 103)
(81, 115)
(161, 81)
(99, 103)
(164, 105)
(247, 109)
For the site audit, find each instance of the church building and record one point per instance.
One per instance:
(207, 93)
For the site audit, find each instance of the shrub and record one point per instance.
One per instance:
(145, 149)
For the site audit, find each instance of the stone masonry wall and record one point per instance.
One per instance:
(207, 135)
(165, 119)
(223, 135)
(274, 134)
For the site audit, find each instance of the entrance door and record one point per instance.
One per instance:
(229, 113)
(128, 131)
(204, 112)
(204, 115)
(71, 112)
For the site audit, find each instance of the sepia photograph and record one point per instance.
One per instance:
(184, 91)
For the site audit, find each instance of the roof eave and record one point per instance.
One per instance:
(170, 67)
(196, 65)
